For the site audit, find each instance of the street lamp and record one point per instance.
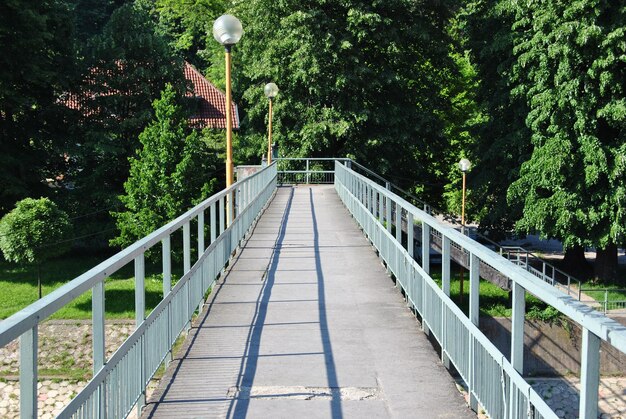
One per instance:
(464, 166)
(270, 90)
(227, 30)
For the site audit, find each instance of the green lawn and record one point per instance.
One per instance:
(615, 293)
(493, 300)
(19, 287)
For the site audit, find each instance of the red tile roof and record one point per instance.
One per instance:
(211, 106)
(210, 110)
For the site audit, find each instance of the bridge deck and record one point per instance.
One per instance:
(306, 323)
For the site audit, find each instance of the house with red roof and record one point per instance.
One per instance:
(209, 109)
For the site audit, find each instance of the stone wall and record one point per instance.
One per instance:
(551, 349)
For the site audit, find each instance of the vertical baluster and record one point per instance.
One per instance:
(186, 248)
(29, 342)
(140, 312)
(445, 265)
(517, 330)
(213, 225)
(98, 343)
(97, 315)
(388, 207)
(399, 223)
(410, 232)
(474, 288)
(425, 247)
(201, 246)
(222, 215)
(589, 375)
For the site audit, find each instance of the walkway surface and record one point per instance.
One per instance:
(306, 323)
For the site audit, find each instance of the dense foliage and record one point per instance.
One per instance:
(356, 78)
(531, 92)
(166, 175)
(34, 231)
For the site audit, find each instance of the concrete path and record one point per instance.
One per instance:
(307, 324)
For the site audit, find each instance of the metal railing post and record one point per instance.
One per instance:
(201, 246)
(388, 208)
(308, 175)
(399, 224)
(517, 328)
(186, 248)
(140, 313)
(167, 287)
(28, 373)
(445, 265)
(97, 316)
(213, 225)
(474, 290)
(589, 375)
(426, 247)
(410, 232)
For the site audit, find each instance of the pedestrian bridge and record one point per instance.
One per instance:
(303, 319)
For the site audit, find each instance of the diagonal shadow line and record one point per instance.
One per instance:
(239, 407)
(331, 370)
(209, 308)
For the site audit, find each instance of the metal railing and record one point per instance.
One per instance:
(296, 171)
(605, 303)
(119, 383)
(492, 380)
(542, 270)
(533, 263)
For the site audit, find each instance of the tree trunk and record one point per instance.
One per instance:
(39, 280)
(574, 263)
(605, 269)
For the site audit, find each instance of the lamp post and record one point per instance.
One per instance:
(270, 90)
(227, 30)
(464, 166)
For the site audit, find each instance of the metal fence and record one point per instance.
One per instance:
(119, 383)
(296, 171)
(492, 380)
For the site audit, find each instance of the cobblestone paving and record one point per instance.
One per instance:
(562, 396)
(63, 345)
(67, 344)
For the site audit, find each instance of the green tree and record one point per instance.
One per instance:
(570, 71)
(172, 172)
(126, 67)
(34, 231)
(502, 140)
(36, 65)
(356, 78)
(189, 24)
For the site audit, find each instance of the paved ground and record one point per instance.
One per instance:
(307, 324)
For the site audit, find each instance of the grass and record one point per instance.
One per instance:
(19, 287)
(493, 300)
(615, 293)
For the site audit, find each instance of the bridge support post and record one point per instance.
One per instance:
(589, 375)
(517, 328)
(28, 373)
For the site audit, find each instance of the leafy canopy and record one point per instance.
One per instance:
(170, 173)
(34, 231)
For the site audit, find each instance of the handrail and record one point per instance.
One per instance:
(546, 266)
(119, 382)
(364, 199)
